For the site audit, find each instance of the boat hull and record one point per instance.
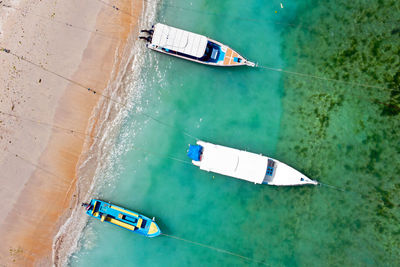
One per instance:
(193, 47)
(231, 57)
(121, 217)
(288, 176)
(245, 165)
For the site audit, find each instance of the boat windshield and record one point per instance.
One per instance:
(212, 52)
(269, 175)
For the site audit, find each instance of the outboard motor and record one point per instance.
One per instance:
(148, 31)
(86, 205)
(148, 38)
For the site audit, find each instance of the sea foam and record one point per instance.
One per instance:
(106, 123)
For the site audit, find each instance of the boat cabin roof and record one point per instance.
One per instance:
(233, 162)
(179, 40)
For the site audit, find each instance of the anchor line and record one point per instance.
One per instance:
(93, 91)
(243, 18)
(336, 80)
(47, 171)
(340, 189)
(215, 248)
(115, 7)
(277, 69)
(48, 124)
(92, 136)
(204, 12)
(180, 160)
(332, 186)
(324, 78)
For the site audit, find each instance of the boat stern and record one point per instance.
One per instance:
(194, 152)
(92, 209)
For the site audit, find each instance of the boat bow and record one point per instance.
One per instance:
(250, 64)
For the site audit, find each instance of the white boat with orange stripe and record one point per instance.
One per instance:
(192, 46)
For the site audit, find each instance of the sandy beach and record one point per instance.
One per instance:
(43, 116)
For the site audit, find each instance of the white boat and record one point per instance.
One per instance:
(245, 165)
(192, 46)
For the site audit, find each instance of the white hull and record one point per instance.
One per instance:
(244, 62)
(288, 176)
(248, 166)
(194, 47)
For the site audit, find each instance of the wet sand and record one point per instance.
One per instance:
(43, 115)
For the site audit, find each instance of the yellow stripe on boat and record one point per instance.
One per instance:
(139, 223)
(153, 228)
(94, 206)
(119, 223)
(125, 211)
(103, 217)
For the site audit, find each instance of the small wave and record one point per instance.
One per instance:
(106, 124)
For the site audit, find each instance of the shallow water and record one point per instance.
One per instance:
(339, 134)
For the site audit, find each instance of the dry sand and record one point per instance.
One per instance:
(82, 40)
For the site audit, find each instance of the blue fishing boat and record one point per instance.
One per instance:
(121, 217)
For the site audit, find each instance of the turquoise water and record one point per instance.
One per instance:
(327, 130)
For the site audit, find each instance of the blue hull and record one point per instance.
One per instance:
(123, 218)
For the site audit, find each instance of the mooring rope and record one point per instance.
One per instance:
(47, 171)
(332, 186)
(340, 189)
(260, 66)
(279, 69)
(267, 67)
(324, 78)
(100, 33)
(215, 248)
(8, 51)
(68, 130)
(116, 8)
(242, 18)
(48, 124)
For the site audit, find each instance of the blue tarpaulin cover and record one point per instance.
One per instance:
(194, 152)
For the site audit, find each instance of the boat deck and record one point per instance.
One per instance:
(230, 56)
(130, 220)
(248, 166)
(117, 215)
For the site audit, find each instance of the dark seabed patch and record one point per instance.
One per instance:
(345, 134)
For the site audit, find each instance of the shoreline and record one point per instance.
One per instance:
(50, 178)
(104, 125)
